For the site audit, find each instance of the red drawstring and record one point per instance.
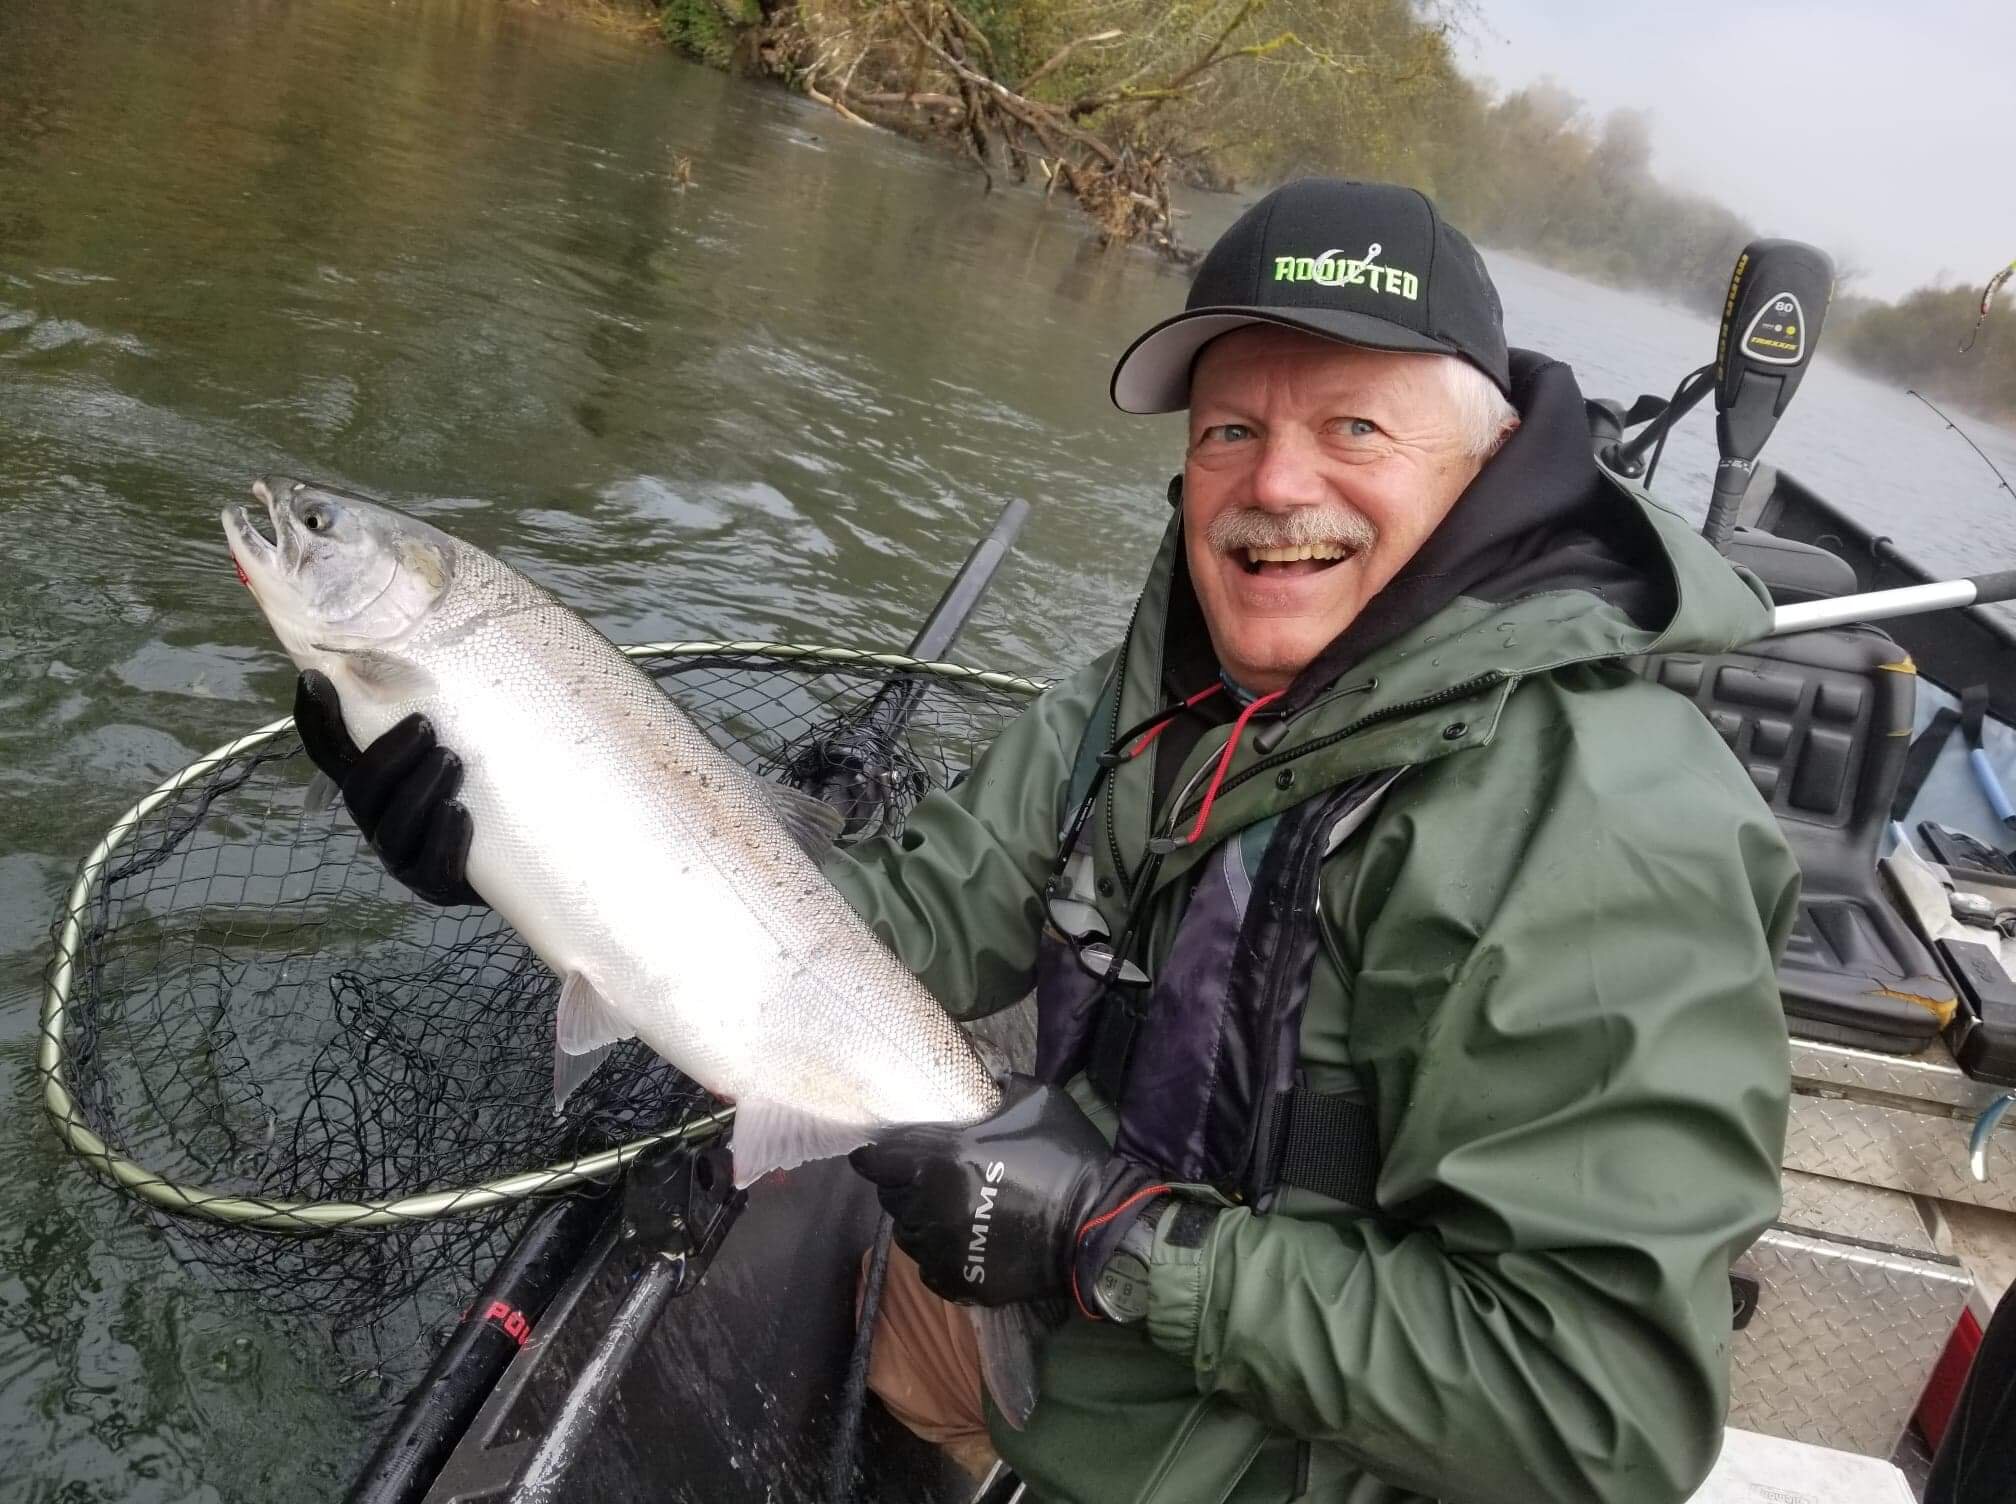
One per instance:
(1224, 758)
(1077, 1296)
(1170, 719)
(1224, 762)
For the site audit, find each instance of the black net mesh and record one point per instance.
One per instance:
(269, 1041)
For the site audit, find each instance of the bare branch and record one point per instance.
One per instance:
(1171, 88)
(917, 101)
(812, 93)
(966, 24)
(1065, 51)
(1041, 119)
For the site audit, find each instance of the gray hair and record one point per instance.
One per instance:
(1484, 419)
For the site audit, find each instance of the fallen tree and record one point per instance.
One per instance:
(1101, 101)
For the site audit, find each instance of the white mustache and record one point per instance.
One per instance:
(1252, 527)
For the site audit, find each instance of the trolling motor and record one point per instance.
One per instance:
(1771, 320)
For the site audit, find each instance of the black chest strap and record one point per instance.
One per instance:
(1329, 1144)
(1319, 1141)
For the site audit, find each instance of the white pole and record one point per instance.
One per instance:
(1873, 606)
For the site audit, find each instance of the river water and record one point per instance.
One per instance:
(442, 252)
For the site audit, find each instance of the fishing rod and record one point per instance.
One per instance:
(498, 1322)
(522, 1287)
(1999, 476)
(852, 768)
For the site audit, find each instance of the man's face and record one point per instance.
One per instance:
(1301, 445)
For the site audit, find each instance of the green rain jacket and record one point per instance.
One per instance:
(1548, 960)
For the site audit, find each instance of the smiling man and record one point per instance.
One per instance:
(1409, 1063)
(1314, 473)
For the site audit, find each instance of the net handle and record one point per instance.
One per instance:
(232, 1209)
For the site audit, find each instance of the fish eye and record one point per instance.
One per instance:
(316, 517)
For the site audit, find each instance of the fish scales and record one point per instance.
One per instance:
(649, 862)
(631, 851)
(638, 859)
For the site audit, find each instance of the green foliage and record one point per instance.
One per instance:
(1004, 24)
(1916, 342)
(706, 29)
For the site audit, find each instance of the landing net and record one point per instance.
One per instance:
(337, 1098)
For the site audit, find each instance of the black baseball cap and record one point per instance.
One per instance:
(1367, 264)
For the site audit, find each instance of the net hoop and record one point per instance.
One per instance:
(232, 1209)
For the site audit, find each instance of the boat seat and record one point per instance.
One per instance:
(1821, 721)
(1794, 572)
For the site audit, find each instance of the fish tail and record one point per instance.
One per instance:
(1010, 1339)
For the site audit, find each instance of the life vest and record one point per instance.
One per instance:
(1200, 1059)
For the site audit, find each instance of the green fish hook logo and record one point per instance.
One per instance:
(1336, 269)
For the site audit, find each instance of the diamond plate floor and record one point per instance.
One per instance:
(1914, 1461)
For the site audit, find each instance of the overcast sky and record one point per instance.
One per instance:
(1885, 133)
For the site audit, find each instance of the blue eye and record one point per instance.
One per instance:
(1363, 428)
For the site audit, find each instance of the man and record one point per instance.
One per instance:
(1410, 1064)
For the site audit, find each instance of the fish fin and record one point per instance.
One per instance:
(997, 1060)
(586, 1021)
(585, 1029)
(771, 1136)
(571, 1072)
(813, 823)
(320, 794)
(390, 676)
(1010, 1338)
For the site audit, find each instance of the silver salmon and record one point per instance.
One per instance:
(676, 895)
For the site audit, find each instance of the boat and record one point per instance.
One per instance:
(673, 1338)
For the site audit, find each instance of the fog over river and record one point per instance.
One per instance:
(439, 252)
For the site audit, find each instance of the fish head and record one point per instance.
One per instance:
(340, 574)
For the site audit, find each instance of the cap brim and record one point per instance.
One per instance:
(1154, 375)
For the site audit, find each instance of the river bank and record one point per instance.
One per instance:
(1115, 103)
(639, 20)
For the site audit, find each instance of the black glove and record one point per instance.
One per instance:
(400, 790)
(1023, 1205)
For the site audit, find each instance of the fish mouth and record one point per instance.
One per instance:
(253, 554)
